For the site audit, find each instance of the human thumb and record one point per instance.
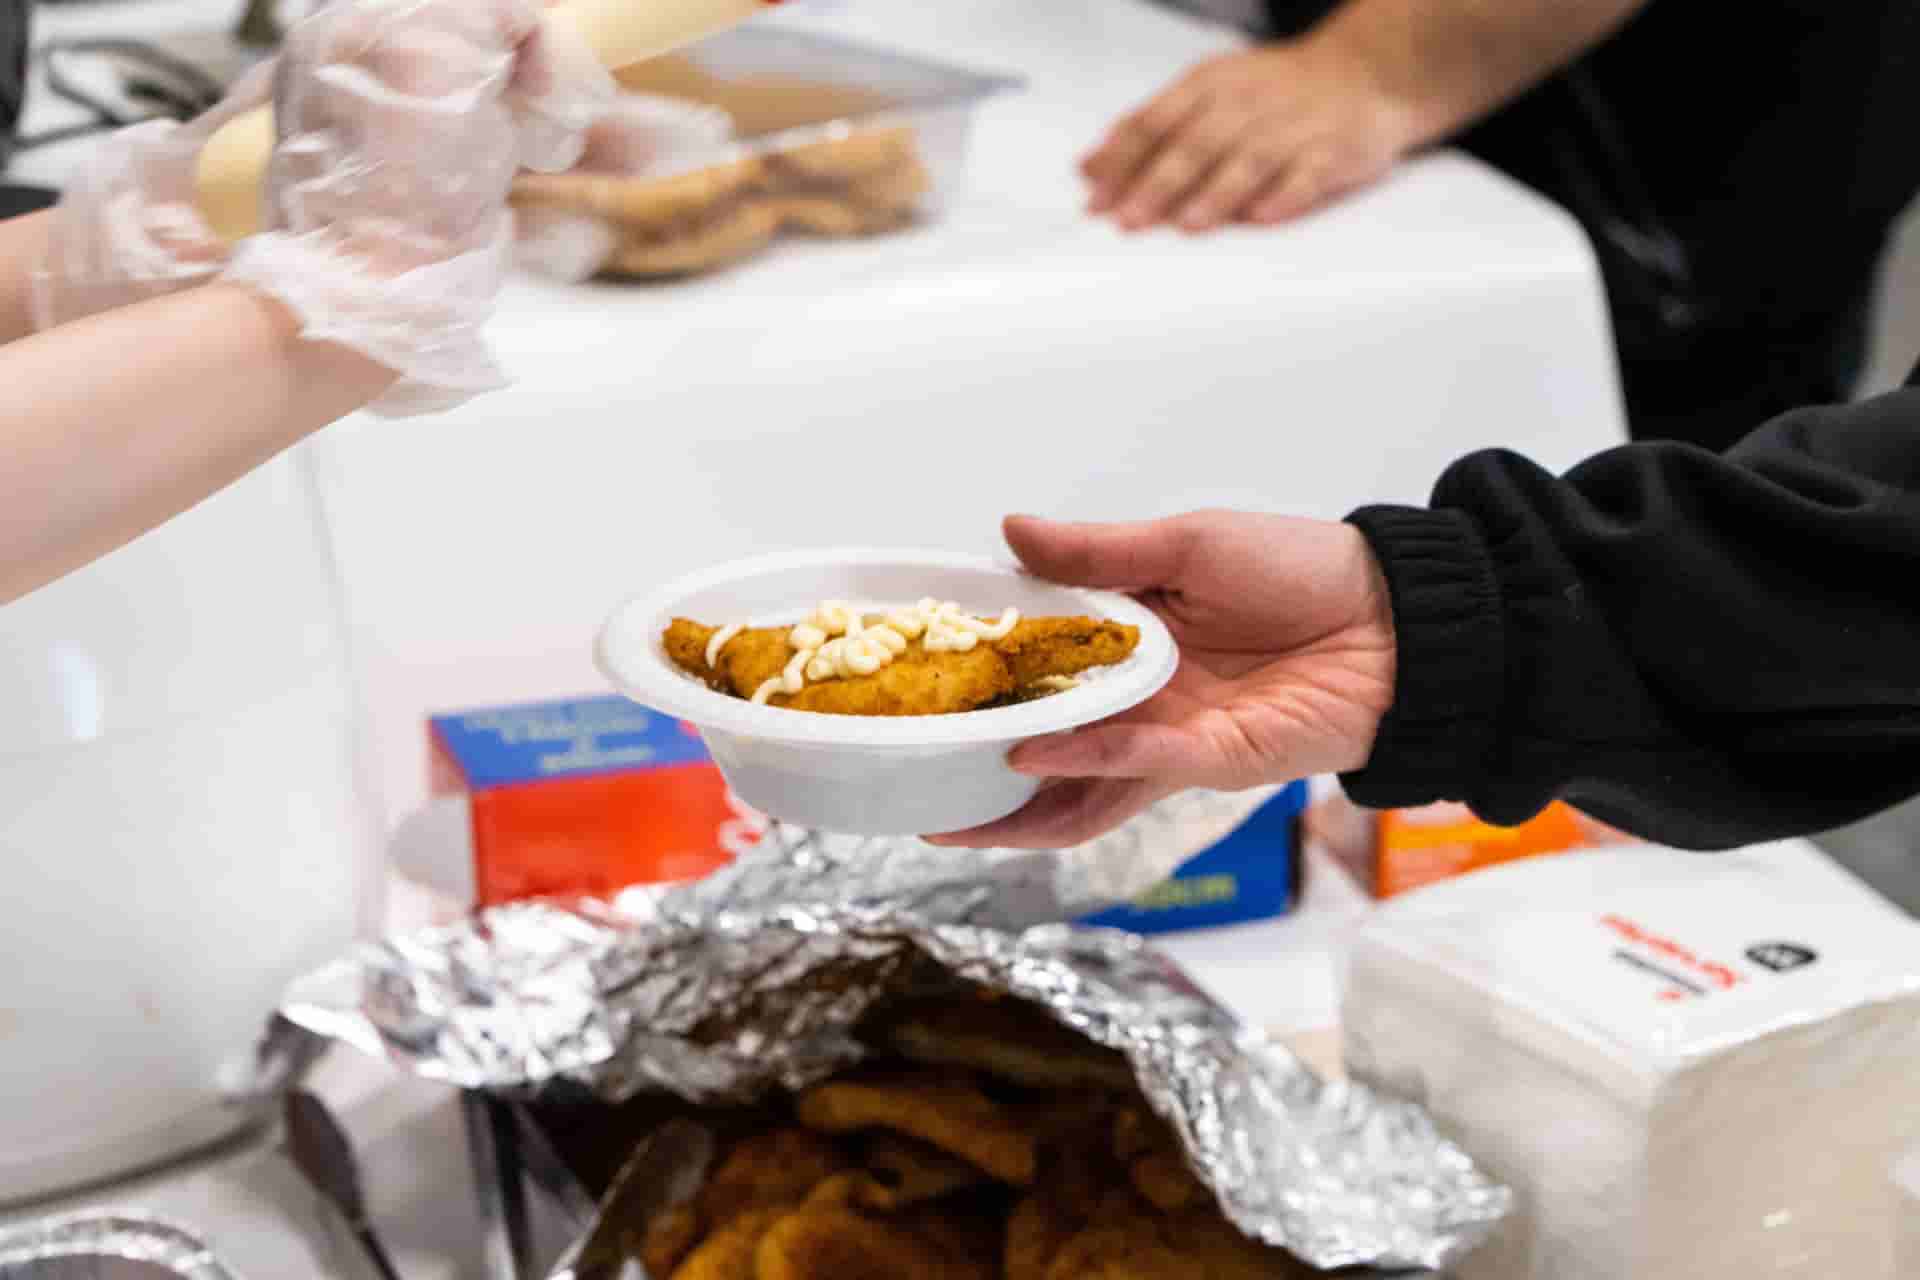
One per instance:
(1118, 557)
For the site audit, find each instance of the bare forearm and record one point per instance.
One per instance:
(118, 422)
(1449, 62)
(22, 240)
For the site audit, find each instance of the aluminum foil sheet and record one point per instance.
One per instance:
(754, 979)
(105, 1246)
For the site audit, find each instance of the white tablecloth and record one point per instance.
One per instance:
(1014, 356)
(911, 390)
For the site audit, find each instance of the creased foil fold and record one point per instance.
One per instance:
(754, 978)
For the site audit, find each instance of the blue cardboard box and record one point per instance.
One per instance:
(1252, 874)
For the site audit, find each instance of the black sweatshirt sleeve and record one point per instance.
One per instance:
(1705, 650)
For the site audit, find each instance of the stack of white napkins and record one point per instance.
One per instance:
(1687, 1066)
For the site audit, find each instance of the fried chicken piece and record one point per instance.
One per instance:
(767, 1170)
(1079, 1184)
(1137, 1130)
(830, 1242)
(669, 1238)
(730, 1251)
(1010, 1039)
(1217, 1250)
(901, 1172)
(915, 683)
(1129, 1247)
(1036, 1232)
(948, 1113)
(1040, 647)
(1078, 1116)
(1165, 1181)
(967, 1230)
(1085, 1181)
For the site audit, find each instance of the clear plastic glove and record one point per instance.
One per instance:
(401, 124)
(643, 134)
(126, 228)
(639, 135)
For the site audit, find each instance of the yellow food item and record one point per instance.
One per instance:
(828, 1242)
(943, 1111)
(1009, 1039)
(901, 1172)
(987, 1167)
(915, 681)
(669, 1239)
(729, 1252)
(776, 1168)
(1163, 1179)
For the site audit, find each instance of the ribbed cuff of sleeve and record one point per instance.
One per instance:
(1435, 740)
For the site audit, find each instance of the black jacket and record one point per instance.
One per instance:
(1703, 649)
(1738, 168)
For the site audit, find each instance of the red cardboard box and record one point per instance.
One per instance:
(585, 795)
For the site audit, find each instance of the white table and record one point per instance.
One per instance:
(1015, 356)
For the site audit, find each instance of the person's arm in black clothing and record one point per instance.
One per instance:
(1705, 650)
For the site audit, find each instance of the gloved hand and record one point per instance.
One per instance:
(126, 227)
(639, 135)
(400, 126)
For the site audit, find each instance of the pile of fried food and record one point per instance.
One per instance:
(984, 1141)
(869, 181)
(1031, 660)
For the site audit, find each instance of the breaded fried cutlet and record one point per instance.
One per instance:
(941, 1110)
(916, 682)
(1010, 1039)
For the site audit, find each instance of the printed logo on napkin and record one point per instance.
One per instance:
(1684, 965)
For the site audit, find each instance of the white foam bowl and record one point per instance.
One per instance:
(871, 775)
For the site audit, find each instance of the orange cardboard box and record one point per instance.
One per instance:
(1393, 850)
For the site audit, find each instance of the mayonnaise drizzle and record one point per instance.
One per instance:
(836, 643)
(790, 681)
(718, 641)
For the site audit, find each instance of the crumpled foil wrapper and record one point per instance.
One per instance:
(105, 1246)
(754, 978)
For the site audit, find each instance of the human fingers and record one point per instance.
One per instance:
(1171, 753)
(558, 88)
(1248, 168)
(1186, 159)
(1303, 187)
(1132, 143)
(1062, 816)
(1134, 556)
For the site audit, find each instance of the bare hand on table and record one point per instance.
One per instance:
(1262, 135)
(1286, 665)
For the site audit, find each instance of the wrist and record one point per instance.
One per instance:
(264, 325)
(1378, 638)
(1407, 109)
(422, 328)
